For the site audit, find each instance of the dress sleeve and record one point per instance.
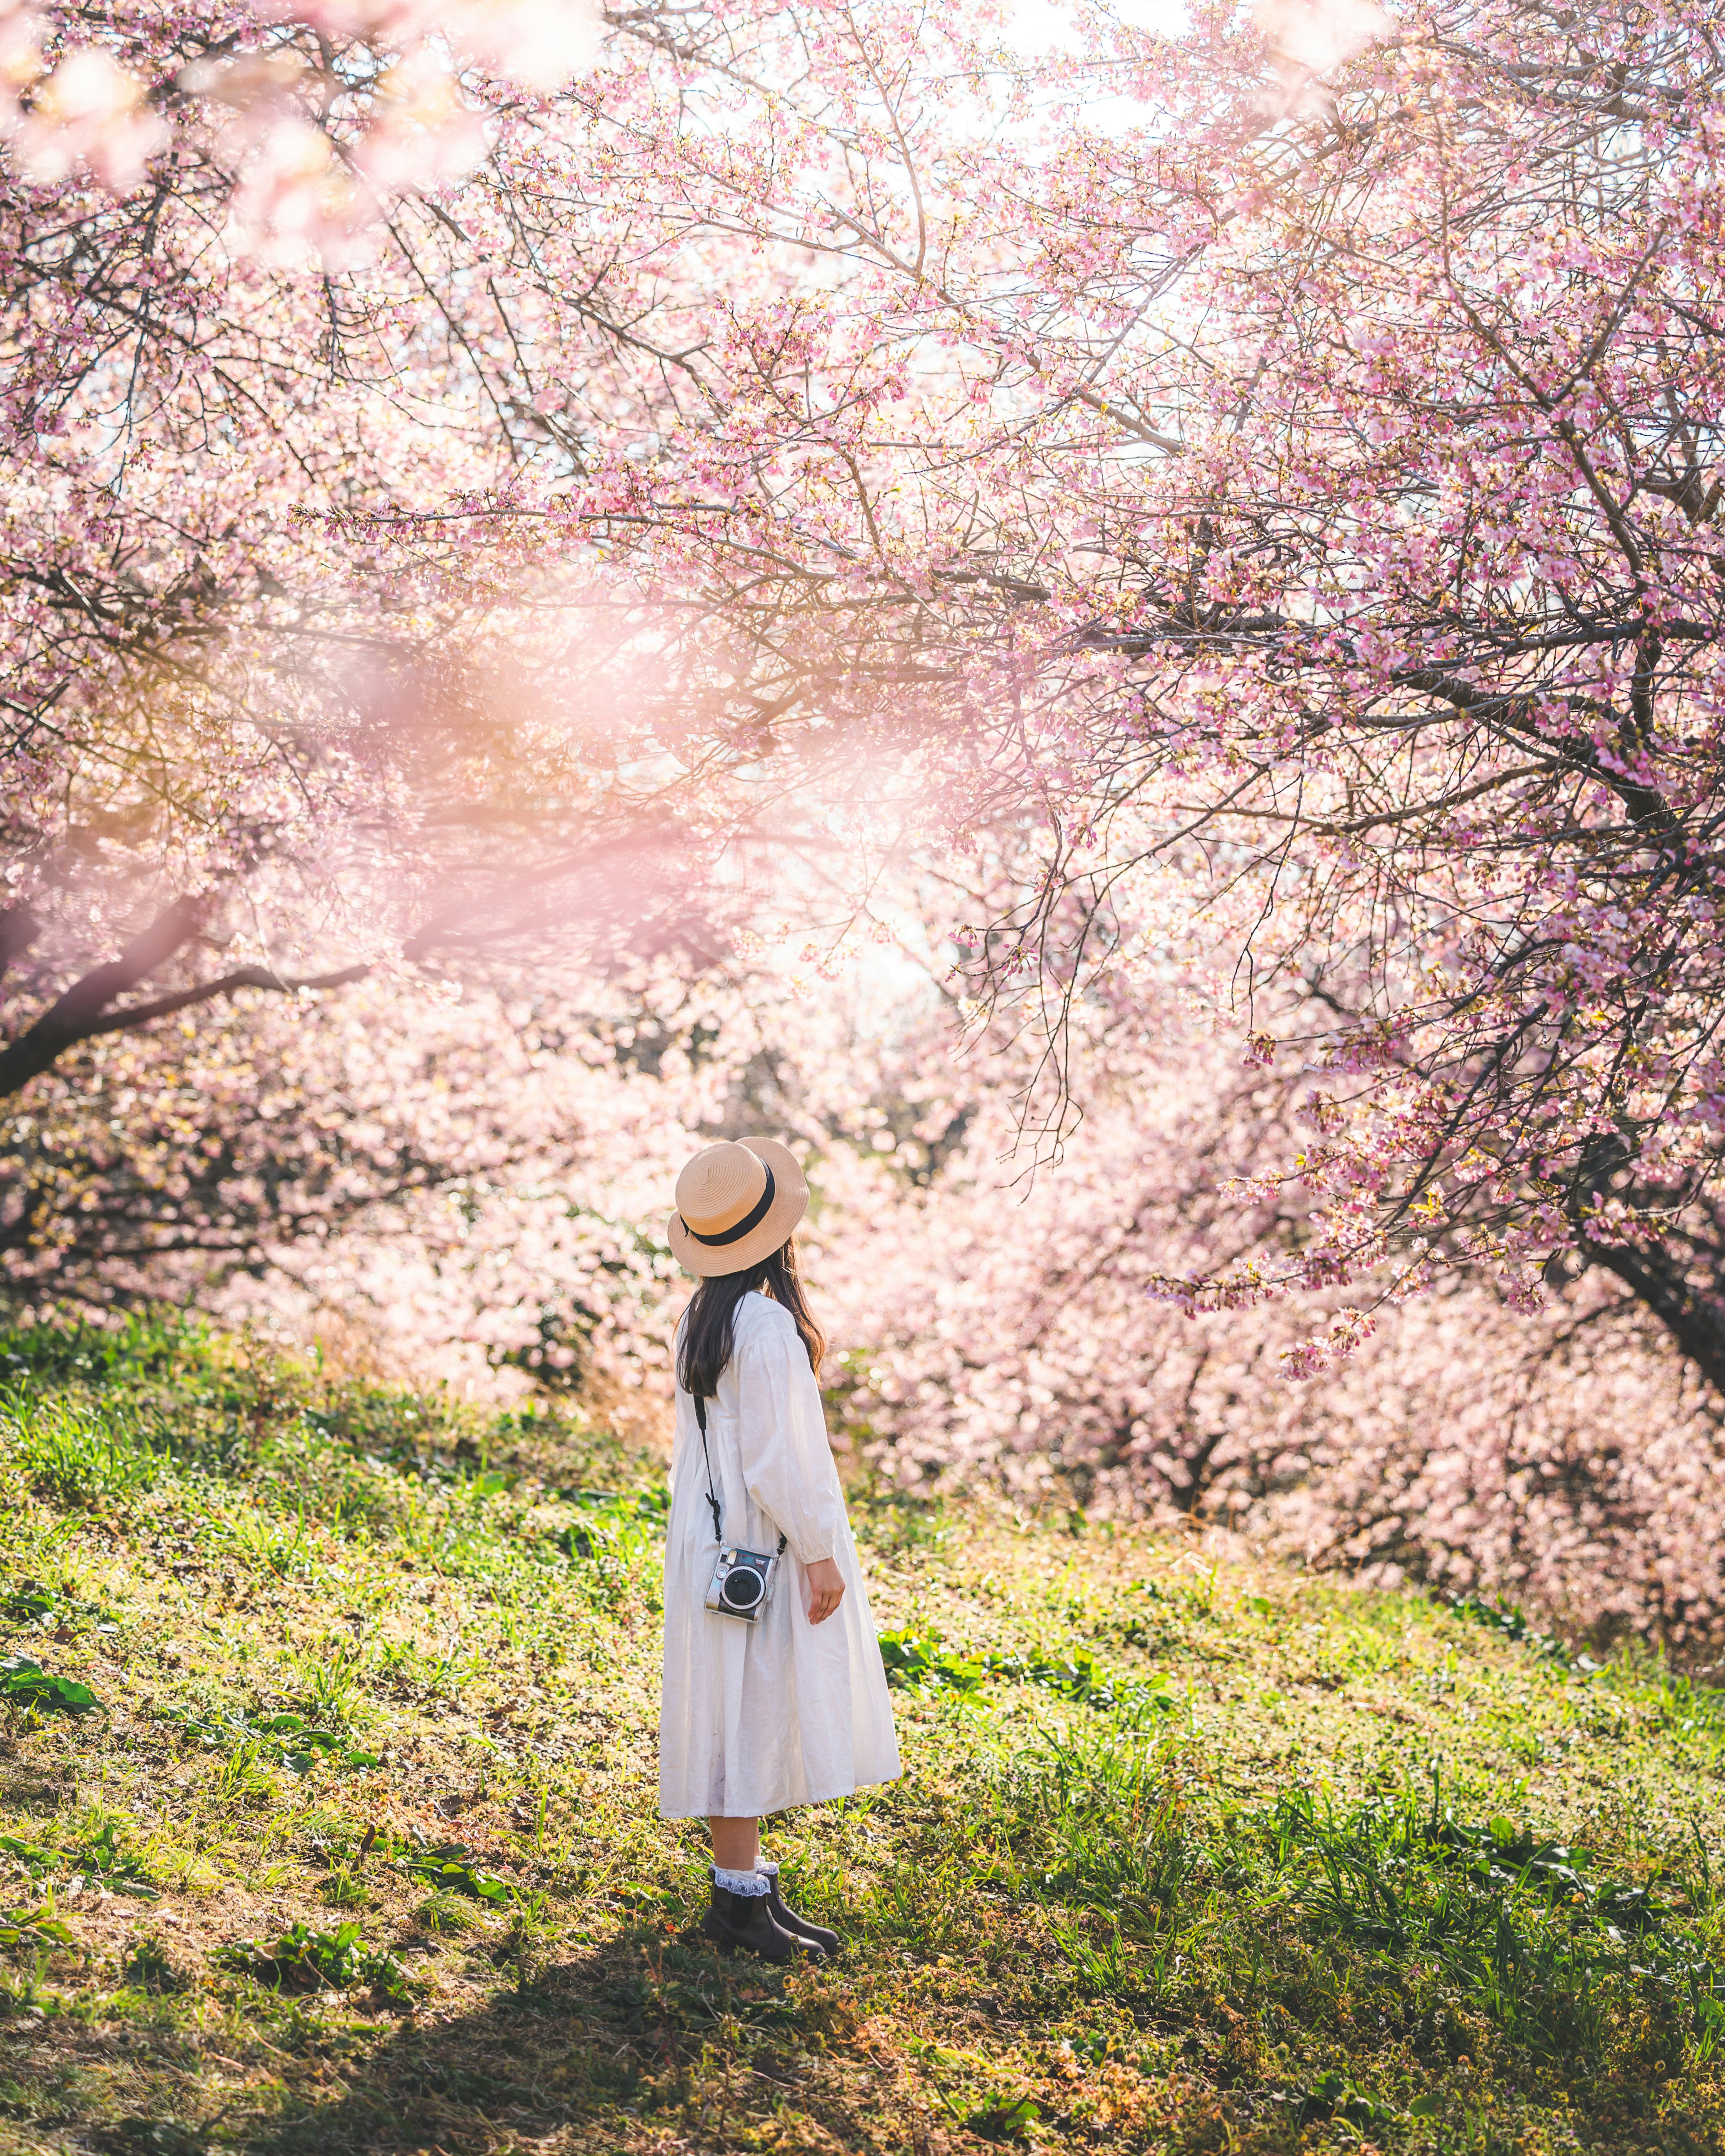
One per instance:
(787, 1463)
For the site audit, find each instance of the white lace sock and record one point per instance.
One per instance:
(749, 1883)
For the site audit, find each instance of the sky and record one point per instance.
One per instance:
(1042, 26)
(1038, 24)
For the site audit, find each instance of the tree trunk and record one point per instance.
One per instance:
(1692, 1312)
(82, 1012)
(1680, 1280)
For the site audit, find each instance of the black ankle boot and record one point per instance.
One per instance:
(742, 1923)
(788, 1920)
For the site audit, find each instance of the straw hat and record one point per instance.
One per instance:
(735, 1205)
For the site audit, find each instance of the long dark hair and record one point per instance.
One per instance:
(709, 1329)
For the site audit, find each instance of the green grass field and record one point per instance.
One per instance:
(327, 1821)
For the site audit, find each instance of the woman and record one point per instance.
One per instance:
(774, 1702)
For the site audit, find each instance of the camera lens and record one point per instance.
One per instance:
(742, 1588)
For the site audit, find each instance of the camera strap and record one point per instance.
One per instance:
(712, 1494)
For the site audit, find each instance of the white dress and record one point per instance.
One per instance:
(754, 1718)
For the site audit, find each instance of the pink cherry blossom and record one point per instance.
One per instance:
(518, 534)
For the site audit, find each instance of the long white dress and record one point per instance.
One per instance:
(754, 1718)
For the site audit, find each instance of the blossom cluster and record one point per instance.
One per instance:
(475, 1189)
(321, 116)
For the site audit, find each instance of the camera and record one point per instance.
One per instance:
(742, 1580)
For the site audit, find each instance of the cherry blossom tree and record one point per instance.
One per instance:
(1311, 483)
(1569, 1458)
(474, 1188)
(1314, 483)
(500, 514)
(263, 270)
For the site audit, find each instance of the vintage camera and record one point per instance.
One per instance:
(741, 1581)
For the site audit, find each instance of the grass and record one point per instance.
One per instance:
(327, 1820)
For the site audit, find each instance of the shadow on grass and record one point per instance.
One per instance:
(652, 2025)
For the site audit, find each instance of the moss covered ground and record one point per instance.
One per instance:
(327, 1820)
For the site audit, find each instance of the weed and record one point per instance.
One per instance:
(275, 1740)
(151, 1968)
(449, 1869)
(1334, 2096)
(76, 1451)
(303, 1959)
(330, 1680)
(896, 1522)
(66, 1616)
(277, 1544)
(1077, 1676)
(24, 1683)
(1492, 1912)
(151, 2137)
(613, 1540)
(913, 1657)
(1513, 1623)
(99, 1860)
(1001, 2118)
(446, 1912)
(35, 1928)
(917, 1658)
(345, 1888)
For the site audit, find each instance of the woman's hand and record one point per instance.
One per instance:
(826, 1589)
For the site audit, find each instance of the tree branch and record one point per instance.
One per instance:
(20, 925)
(78, 1014)
(246, 977)
(83, 1010)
